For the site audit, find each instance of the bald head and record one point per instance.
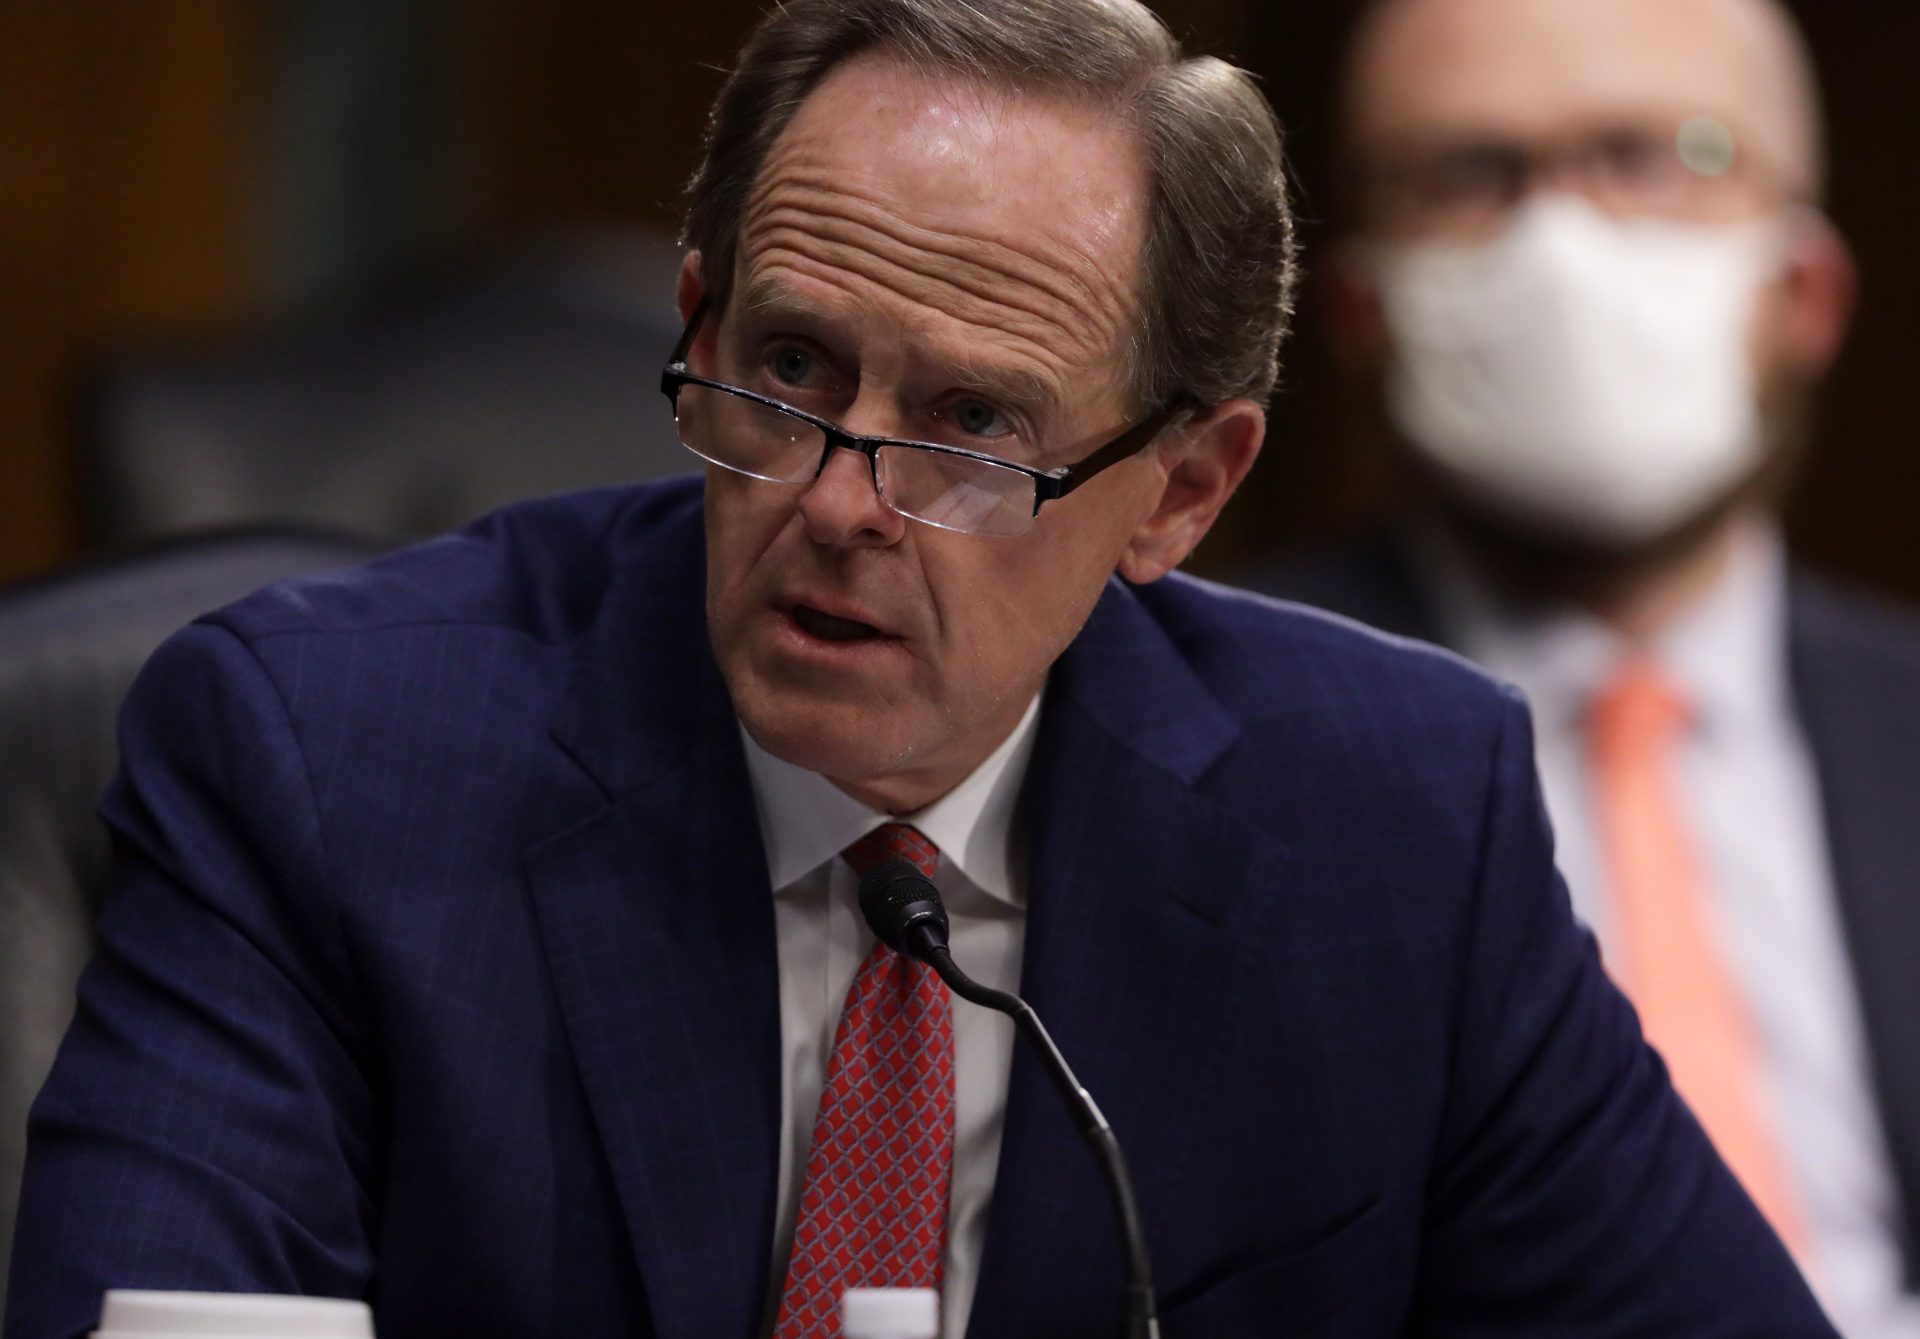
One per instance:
(1540, 70)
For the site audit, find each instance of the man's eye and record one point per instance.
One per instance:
(1628, 157)
(793, 367)
(977, 418)
(1475, 176)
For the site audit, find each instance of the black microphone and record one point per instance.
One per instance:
(904, 910)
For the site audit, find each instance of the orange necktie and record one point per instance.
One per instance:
(1689, 1005)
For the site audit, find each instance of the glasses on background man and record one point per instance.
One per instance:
(1693, 170)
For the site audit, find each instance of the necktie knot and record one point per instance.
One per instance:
(1640, 708)
(893, 841)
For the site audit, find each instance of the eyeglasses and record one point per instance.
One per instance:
(1694, 170)
(942, 485)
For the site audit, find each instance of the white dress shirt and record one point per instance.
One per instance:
(1747, 779)
(805, 822)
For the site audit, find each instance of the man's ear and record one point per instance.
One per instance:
(1205, 459)
(688, 289)
(1819, 291)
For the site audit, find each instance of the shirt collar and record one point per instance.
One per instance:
(1730, 654)
(1727, 653)
(806, 820)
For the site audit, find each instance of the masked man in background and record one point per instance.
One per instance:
(1589, 278)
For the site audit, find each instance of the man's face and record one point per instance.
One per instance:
(922, 252)
(1695, 115)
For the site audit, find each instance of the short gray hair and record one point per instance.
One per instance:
(1220, 267)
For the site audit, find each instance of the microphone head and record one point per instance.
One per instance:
(903, 908)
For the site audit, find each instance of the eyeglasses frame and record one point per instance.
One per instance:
(1048, 485)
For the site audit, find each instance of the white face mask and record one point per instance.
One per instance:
(1582, 372)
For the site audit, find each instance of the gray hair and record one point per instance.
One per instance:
(1220, 266)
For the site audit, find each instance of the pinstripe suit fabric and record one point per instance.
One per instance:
(438, 971)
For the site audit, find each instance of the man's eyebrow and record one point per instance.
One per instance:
(1010, 385)
(764, 297)
(1018, 387)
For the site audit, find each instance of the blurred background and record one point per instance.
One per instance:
(381, 264)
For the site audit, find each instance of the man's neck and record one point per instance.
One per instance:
(905, 790)
(1640, 609)
(805, 818)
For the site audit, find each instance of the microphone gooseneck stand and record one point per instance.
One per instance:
(904, 910)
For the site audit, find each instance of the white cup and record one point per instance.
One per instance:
(132, 1314)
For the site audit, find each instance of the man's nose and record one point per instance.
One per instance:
(842, 507)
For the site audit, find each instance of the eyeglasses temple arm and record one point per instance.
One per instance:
(679, 356)
(1128, 443)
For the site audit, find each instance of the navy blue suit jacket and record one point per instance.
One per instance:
(440, 970)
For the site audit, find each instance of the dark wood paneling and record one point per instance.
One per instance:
(126, 211)
(593, 109)
(589, 110)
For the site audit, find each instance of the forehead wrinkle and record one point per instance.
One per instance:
(964, 295)
(1038, 288)
(818, 181)
(1059, 284)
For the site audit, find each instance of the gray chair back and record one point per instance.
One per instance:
(401, 418)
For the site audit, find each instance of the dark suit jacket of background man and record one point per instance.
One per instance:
(1854, 666)
(441, 970)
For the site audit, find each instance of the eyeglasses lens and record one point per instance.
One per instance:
(952, 492)
(746, 436)
(956, 492)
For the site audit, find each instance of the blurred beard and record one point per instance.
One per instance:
(1533, 560)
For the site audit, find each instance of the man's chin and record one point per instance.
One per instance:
(849, 743)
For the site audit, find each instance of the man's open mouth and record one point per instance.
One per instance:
(831, 628)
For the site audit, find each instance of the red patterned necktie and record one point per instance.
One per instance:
(873, 1207)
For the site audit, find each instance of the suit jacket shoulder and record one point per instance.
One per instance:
(1836, 619)
(1317, 695)
(539, 568)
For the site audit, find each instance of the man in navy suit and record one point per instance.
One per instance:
(1589, 281)
(483, 918)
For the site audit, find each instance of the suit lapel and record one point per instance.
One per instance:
(658, 927)
(1142, 889)
(1861, 709)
